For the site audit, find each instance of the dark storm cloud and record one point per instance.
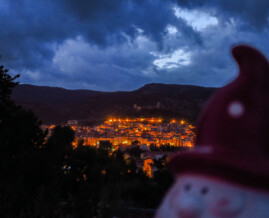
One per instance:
(104, 22)
(28, 30)
(31, 28)
(114, 45)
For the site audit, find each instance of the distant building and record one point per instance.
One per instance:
(137, 108)
(72, 122)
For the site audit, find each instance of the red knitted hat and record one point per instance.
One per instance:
(233, 133)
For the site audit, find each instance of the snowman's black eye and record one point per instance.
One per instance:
(204, 190)
(187, 187)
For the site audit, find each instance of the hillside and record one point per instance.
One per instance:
(56, 105)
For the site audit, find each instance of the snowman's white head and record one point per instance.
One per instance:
(199, 196)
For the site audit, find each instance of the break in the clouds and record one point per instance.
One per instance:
(124, 44)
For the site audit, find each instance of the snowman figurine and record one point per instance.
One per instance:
(226, 174)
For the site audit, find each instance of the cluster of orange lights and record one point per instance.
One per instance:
(151, 120)
(125, 132)
(135, 120)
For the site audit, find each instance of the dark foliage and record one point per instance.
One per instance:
(48, 178)
(60, 140)
(6, 85)
(19, 129)
(134, 151)
(105, 145)
(167, 147)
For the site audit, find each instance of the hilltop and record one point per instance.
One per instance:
(57, 105)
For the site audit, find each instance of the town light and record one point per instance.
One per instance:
(120, 132)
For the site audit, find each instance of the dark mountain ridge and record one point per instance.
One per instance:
(46, 95)
(58, 105)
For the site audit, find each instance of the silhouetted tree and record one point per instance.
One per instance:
(80, 142)
(19, 129)
(163, 177)
(6, 85)
(105, 145)
(23, 166)
(153, 147)
(134, 151)
(136, 142)
(61, 140)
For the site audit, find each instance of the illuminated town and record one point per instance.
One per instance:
(144, 133)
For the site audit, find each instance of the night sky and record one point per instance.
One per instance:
(123, 44)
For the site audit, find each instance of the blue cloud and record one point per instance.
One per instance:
(115, 45)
